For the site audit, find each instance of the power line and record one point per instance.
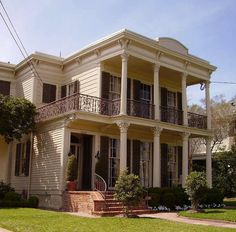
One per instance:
(223, 82)
(26, 55)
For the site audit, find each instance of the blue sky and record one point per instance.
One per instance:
(207, 28)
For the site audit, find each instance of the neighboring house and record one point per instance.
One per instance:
(122, 100)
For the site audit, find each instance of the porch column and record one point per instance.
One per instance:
(123, 125)
(123, 96)
(184, 99)
(185, 137)
(156, 91)
(208, 104)
(156, 157)
(208, 162)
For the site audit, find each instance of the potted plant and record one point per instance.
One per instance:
(71, 173)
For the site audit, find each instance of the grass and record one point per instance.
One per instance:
(230, 201)
(215, 214)
(35, 220)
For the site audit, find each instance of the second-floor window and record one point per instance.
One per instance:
(5, 88)
(145, 92)
(49, 93)
(115, 86)
(171, 99)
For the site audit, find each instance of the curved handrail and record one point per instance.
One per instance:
(100, 184)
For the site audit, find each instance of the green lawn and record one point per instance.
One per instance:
(217, 214)
(33, 220)
(230, 201)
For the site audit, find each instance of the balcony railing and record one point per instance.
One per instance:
(86, 103)
(171, 115)
(197, 120)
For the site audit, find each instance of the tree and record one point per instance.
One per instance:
(196, 187)
(128, 190)
(224, 172)
(17, 117)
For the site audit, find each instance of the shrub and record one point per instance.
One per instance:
(212, 196)
(128, 190)
(181, 198)
(196, 186)
(13, 204)
(72, 168)
(168, 200)
(5, 188)
(155, 194)
(12, 196)
(33, 202)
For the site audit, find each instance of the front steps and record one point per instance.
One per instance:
(113, 207)
(100, 204)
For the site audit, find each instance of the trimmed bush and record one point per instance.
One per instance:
(168, 200)
(5, 188)
(72, 168)
(33, 202)
(212, 196)
(13, 204)
(12, 196)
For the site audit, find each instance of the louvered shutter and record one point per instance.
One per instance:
(128, 95)
(102, 164)
(105, 85)
(128, 155)
(28, 148)
(179, 102)
(76, 87)
(136, 157)
(164, 165)
(63, 91)
(180, 159)
(49, 93)
(17, 161)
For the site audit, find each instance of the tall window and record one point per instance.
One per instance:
(49, 93)
(173, 166)
(114, 161)
(145, 92)
(22, 159)
(171, 99)
(145, 164)
(5, 88)
(115, 87)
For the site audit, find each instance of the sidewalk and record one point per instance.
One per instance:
(4, 230)
(176, 218)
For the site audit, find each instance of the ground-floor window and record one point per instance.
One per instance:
(146, 164)
(114, 161)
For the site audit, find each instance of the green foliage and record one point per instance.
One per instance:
(33, 202)
(161, 196)
(224, 172)
(212, 196)
(128, 189)
(5, 188)
(12, 196)
(13, 204)
(72, 168)
(196, 186)
(17, 117)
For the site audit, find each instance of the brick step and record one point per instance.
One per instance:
(114, 203)
(113, 213)
(120, 208)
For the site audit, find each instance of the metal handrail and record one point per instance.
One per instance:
(100, 184)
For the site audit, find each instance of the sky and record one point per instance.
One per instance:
(206, 27)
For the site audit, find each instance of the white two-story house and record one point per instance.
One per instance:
(121, 101)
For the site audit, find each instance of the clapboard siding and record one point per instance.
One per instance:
(46, 165)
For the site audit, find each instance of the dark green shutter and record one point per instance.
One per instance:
(27, 165)
(49, 93)
(105, 85)
(102, 164)
(180, 113)
(180, 160)
(136, 90)
(17, 161)
(63, 91)
(128, 155)
(128, 95)
(5, 88)
(164, 97)
(164, 165)
(76, 86)
(136, 157)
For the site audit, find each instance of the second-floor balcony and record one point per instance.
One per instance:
(101, 106)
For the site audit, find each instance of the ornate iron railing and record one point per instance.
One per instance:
(100, 184)
(75, 102)
(141, 109)
(197, 120)
(171, 115)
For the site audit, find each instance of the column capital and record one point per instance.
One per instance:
(156, 67)
(157, 130)
(124, 56)
(185, 135)
(123, 125)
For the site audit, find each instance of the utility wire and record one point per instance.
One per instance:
(24, 52)
(223, 82)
